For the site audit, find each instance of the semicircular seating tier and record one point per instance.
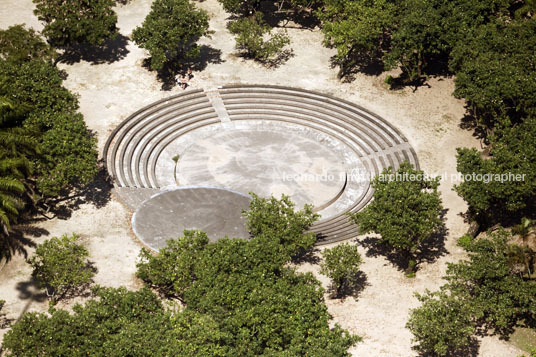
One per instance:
(363, 140)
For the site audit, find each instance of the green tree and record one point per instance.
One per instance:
(494, 71)
(60, 265)
(171, 31)
(443, 325)
(417, 38)
(499, 297)
(341, 265)
(18, 44)
(16, 152)
(250, 35)
(357, 29)
(260, 304)
(497, 199)
(69, 150)
(179, 256)
(482, 292)
(405, 211)
(76, 21)
(273, 219)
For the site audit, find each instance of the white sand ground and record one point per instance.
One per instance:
(429, 118)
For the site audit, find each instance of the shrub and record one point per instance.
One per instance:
(341, 265)
(60, 265)
(172, 270)
(171, 31)
(250, 34)
(405, 211)
(76, 21)
(443, 324)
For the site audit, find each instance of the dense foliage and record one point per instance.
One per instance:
(495, 72)
(341, 265)
(117, 323)
(46, 148)
(171, 31)
(484, 291)
(513, 152)
(60, 266)
(405, 211)
(69, 151)
(240, 299)
(18, 44)
(443, 324)
(76, 21)
(251, 38)
(276, 220)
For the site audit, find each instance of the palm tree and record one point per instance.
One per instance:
(17, 148)
(526, 229)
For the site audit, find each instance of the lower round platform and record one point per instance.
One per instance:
(216, 211)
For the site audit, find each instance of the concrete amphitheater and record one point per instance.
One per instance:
(189, 161)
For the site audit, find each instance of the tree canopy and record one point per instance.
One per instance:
(171, 31)
(60, 266)
(76, 21)
(502, 198)
(495, 72)
(251, 38)
(240, 298)
(483, 292)
(18, 44)
(405, 210)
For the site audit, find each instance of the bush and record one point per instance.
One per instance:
(405, 211)
(443, 325)
(18, 44)
(179, 257)
(171, 31)
(341, 265)
(60, 265)
(76, 21)
(274, 219)
(250, 34)
(483, 292)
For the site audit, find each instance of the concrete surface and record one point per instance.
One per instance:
(216, 211)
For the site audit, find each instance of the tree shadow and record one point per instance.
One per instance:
(353, 287)
(30, 290)
(403, 81)
(166, 75)
(270, 63)
(98, 193)
(18, 241)
(361, 63)
(304, 18)
(468, 351)
(306, 256)
(470, 122)
(112, 50)
(431, 249)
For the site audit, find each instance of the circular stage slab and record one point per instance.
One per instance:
(216, 211)
(267, 163)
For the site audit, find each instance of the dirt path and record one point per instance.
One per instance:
(109, 92)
